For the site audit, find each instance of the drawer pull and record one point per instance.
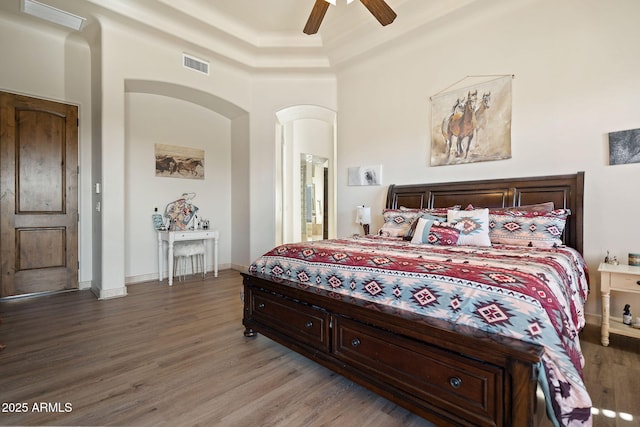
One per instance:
(309, 324)
(638, 283)
(455, 382)
(355, 342)
(261, 306)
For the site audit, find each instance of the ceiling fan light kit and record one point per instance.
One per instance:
(378, 8)
(333, 2)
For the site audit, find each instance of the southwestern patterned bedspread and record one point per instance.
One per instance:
(532, 294)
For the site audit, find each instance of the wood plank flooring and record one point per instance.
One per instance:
(178, 356)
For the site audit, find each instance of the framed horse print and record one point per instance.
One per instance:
(473, 122)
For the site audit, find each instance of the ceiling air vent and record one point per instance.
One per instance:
(51, 14)
(195, 64)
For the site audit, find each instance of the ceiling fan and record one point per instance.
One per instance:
(378, 8)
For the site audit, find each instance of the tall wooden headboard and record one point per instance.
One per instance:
(565, 191)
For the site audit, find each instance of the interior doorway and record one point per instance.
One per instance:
(305, 174)
(39, 195)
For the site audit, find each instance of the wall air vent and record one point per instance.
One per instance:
(196, 64)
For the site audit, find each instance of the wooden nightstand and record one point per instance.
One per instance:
(619, 278)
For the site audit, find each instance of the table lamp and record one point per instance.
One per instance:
(363, 217)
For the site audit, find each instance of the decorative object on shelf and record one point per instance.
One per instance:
(181, 212)
(626, 315)
(634, 259)
(611, 259)
(636, 323)
(363, 217)
(158, 222)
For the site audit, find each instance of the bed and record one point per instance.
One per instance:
(460, 334)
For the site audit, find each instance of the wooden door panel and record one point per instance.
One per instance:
(40, 167)
(38, 197)
(39, 248)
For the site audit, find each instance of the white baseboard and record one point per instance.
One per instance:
(103, 294)
(85, 285)
(240, 268)
(129, 280)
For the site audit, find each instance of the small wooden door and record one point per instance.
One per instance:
(38, 195)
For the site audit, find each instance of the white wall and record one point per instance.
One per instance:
(270, 95)
(120, 69)
(576, 65)
(44, 63)
(155, 119)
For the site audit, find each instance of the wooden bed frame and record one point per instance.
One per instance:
(451, 374)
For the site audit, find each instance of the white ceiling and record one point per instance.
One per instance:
(264, 34)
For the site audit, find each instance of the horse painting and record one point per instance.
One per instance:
(481, 116)
(472, 123)
(179, 162)
(461, 125)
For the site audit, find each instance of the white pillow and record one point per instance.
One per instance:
(421, 235)
(473, 226)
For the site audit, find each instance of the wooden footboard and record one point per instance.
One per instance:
(450, 374)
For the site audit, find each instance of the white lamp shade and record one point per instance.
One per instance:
(363, 215)
(333, 2)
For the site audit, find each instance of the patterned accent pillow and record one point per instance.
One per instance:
(473, 225)
(443, 235)
(412, 229)
(422, 229)
(397, 222)
(536, 229)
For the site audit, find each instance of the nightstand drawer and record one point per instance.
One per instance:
(627, 282)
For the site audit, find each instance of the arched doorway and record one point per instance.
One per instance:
(305, 173)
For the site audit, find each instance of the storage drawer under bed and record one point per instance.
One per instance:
(302, 322)
(451, 382)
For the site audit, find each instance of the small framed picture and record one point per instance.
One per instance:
(624, 147)
(365, 175)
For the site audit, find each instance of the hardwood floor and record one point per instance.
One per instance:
(178, 356)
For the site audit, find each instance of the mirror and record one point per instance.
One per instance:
(314, 182)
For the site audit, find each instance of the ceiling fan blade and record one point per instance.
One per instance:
(316, 16)
(381, 10)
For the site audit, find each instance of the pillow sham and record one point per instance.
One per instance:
(539, 208)
(473, 225)
(397, 222)
(536, 229)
